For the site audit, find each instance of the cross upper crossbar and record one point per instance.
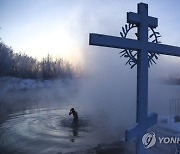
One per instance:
(135, 18)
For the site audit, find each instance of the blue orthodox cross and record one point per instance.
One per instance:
(142, 46)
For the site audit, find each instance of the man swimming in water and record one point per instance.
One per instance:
(75, 114)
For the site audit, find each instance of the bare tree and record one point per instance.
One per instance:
(23, 66)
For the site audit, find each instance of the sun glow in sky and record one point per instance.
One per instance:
(40, 27)
(61, 28)
(58, 43)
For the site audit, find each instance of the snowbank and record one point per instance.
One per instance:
(11, 84)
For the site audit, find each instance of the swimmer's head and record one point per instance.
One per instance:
(72, 109)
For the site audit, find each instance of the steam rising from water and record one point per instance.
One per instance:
(50, 131)
(110, 88)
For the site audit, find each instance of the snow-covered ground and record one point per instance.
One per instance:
(12, 83)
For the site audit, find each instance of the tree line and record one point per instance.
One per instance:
(23, 66)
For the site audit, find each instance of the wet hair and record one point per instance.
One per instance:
(72, 109)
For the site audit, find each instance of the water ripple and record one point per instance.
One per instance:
(44, 131)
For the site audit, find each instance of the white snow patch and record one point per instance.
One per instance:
(12, 83)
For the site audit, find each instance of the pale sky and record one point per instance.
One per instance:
(61, 27)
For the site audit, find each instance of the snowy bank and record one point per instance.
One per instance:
(12, 84)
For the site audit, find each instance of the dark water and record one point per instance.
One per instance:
(48, 131)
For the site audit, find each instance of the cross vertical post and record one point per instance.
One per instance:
(142, 73)
(142, 67)
(143, 21)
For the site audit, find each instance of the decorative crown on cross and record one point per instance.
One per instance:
(130, 54)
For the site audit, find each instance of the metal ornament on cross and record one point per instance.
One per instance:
(130, 54)
(143, 48)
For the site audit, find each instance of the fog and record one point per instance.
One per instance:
(24, 94)
(106, 93)
(107, 87)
